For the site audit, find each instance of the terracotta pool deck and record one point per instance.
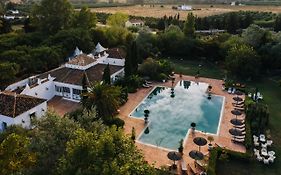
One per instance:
(61, 106)
(158, 156)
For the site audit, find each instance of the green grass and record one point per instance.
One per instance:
(190, 67)
(272, 96)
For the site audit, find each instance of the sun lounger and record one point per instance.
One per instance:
(233, 90)
(238, 106)
(241, 126)
(229, 90)
(146, 86)
(238, 140)
(239, 109)
(239, 137)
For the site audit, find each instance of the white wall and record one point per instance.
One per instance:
(44, 90)
(24, 118)
(117, 74)
(112, 61)
(71, 87)
(14, 86)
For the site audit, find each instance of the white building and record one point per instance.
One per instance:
(134, 23)
(66, 80)
(18, 109)
(185, 7)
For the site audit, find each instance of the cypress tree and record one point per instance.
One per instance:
(134, 57)
(277, 23)
(189, 25)
(128, 63)
(106, 75)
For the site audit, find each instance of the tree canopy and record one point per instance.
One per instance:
(52, 15)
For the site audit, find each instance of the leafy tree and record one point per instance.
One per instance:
(52, 15)
(277, 23)
(107, 153)
(232, 23)
(88, 120)
(106, 75)
(189, 25)
(243, 61)
(117, 20)
(105, 98)
(8, 73)
(255, 36)
(84, 19)
(49, 141)
(15, 154)
(146, 45)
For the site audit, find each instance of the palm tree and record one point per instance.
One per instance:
(105, 98)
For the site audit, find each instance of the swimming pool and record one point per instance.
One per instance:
(170, 118)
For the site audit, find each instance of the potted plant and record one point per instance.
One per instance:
(210, 146)
(146, 114)
(180, 148)
(146, 131)
(133, 136)
(193, 125)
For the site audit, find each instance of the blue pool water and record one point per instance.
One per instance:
(170, 118)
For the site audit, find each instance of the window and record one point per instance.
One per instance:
(58, 88)
(4, 125)
(32, 117)
(66, 89)
(77, 91)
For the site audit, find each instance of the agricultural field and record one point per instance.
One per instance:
(201, 10)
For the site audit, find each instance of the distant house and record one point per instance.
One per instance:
(66, 80)
(134, 23)
(233, 3)
(185, 7)
(19, 109)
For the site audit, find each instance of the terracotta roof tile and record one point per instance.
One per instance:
(75, 76)
(118, 53)
(12, 104)
(81, 60)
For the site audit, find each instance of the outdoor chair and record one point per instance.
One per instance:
(271, 159)
(260, 158)
(256, 152)
(256, 143)
(255, 137)
(266, 161)
(263, 145)
(269, 142)
(271, 153)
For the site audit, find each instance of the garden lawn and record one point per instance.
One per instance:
(272, 96)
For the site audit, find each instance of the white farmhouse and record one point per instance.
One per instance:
(18, 109)
(185, 7)
(134, 23)
(66, 80)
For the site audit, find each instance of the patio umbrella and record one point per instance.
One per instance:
(174, 156)
(236, 112)
(196, 155)
(200, 141)
(236, 122)
(237, 99)
(235, 132)
(239, 93)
